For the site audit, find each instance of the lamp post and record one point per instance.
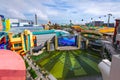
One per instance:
(36, 19)
(109, 19)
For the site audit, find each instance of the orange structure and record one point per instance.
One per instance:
(12, 66)
(21, 43)
(106, 30)
(77, 28)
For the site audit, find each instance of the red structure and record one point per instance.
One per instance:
(3, 40)
(12, 66)
(116, 29)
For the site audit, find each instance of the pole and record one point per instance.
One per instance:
(36, 19)
(109, 19)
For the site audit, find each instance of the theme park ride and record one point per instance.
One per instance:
(22, 42)
(109, 69)
(93, 39)
(106, 30)
(95, 28)
(94, 32)
(91, 34)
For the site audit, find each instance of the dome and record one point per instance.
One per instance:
(12, 66)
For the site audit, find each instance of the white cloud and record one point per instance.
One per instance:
(79, 9)
(89, 8)
(15, 14)
(51, 12)
(97, 8)
(39, 13)
(19, 9)
(102, 8)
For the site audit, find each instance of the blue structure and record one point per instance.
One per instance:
(67, 41)
(3, 40)
(57, 32)
(43, 32)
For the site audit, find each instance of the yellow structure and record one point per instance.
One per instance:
(87, 42)
(48, 45)
(7, 22)
(56, 42)
(97, 29)
(46, 27)
(22, 42)
(106, 30)
(76, 27)
(79, 41)
(1, 27)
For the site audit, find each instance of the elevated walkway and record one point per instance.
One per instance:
(57, 32)
(44, 32)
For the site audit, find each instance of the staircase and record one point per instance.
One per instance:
(22, 52)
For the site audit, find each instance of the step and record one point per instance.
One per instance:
(20, 51)
(23, 53)
(16, 48)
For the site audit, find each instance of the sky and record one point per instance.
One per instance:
(61, 11)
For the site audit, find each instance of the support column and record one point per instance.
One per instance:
(56, 42)
(115, 32)
(79, 42)
(48, 45)
(87, 42)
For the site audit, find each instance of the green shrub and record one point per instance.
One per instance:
(32, 73)
(26, 63)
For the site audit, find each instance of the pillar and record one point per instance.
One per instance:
(115, 32)
(87, 42)
(1, 27)
(48, 45)
(23, 43)
(56, 42)
(79, 41)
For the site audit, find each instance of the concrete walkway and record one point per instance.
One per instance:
(97, 77)
(51, 77)
(108, 45)
(37, 70)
